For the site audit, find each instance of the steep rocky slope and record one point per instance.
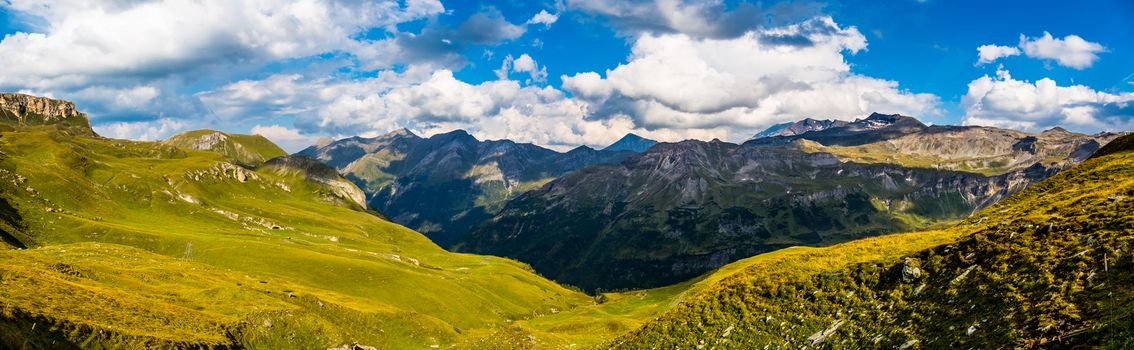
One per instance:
(1047, 268)
(679, 210)
(444, 184)
(247, 149)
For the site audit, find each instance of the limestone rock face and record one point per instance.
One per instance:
(21, 110)
(21, 105)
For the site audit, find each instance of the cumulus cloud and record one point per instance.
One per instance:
(427, 102)
(757, 79)
(151, 130)
(1003, 101)
(991, 53)
(1071, 51)
(85, 42)
(545, 18)
(289, 139)
(523, 64)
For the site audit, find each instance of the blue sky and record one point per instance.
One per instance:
(570, 72)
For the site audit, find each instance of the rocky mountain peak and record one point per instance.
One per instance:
(631, 142)
(879, 120)
(403, 132)
(458, 135)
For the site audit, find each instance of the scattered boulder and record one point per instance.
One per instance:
(911, 270)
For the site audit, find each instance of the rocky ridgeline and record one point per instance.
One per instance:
(22, 109)
(22, 105)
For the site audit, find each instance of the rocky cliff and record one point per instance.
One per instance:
(26, 110)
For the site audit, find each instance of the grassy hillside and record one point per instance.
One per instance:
(1046, 267)
(245, 149)
(142, 244)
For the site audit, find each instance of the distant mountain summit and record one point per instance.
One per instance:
(631, 142)
(799, 127)
(876, 127)
(444, 184)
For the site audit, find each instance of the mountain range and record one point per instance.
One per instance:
(443, 185)
(641, 214)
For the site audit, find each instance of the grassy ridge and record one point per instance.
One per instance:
(246, 149)
(214, 225)
(1045, 267)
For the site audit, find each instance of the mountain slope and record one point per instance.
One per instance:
(246, 149)
(632, 143)
(679, 210)
(1046, 267)
(141, 244)
(443, 185)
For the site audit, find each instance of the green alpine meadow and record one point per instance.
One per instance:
(566, 174)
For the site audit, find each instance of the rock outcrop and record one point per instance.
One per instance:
(22, 110)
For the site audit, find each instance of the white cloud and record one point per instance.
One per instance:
(151, 130)
(1006, 102)
(544, 18)
(757, 79)
(1071, 51)
(289, 139)
(991, 53)
(428, 104)
(523, 64)
(86, 42)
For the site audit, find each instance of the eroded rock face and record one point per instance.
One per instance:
(21, 105)
(207, 142)
(21, 109)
